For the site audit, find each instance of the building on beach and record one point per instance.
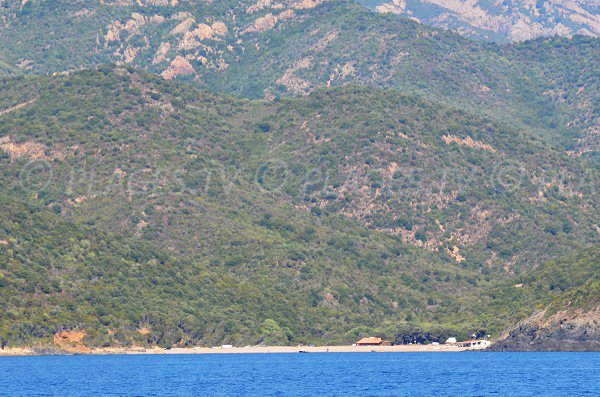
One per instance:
(474, 344)
(371, 341)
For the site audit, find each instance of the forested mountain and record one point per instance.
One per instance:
(435, 177)
(305, 171)
(143, 202)
(290, 48)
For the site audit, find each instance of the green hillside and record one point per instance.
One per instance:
(547, 85)
(131, 202)
(564, 301)
(482, 194)
(57, 275)
(569, 279)
(306, 171)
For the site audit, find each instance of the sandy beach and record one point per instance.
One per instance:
(319, 349)
(25, 351)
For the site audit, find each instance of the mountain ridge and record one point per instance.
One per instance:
(536, 83)
(500, 21)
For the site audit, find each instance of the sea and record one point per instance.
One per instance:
(312, 374)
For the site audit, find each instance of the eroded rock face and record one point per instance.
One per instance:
(562, 331)
(269, 21)
(179, 67)
(71, 342)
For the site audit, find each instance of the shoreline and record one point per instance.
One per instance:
(41, 351)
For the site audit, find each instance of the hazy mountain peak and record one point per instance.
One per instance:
(515, 20)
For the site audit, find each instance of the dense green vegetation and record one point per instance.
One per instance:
(121, 144)
(568, 282)
(546, 85)
(331, 174)
(130, 202)
(57, 275)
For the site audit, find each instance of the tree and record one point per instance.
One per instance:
(272, 334)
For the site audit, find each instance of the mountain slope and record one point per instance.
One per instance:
(513, 20)
(478, 192)
(571, 321)
(61, 276)
(567, 329)
(134, 204)
(120, 291)
(268, 50)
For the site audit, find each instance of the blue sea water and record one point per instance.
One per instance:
(314, 374)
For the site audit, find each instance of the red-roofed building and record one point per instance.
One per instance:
(371, 341)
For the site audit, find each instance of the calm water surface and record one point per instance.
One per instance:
(314, 374)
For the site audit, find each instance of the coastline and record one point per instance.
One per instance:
(40, 351)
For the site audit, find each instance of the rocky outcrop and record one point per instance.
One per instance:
(562, 331)
(468, 141)
(69, 341)
(179, 67)
(31, 149)
(269, 21)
